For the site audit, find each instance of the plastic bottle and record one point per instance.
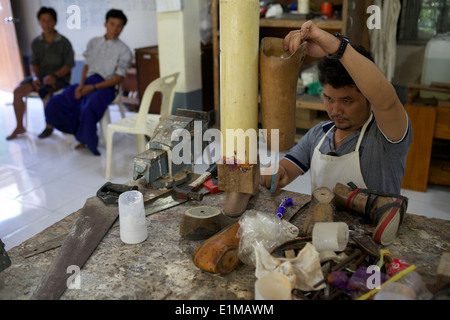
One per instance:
(412, 280)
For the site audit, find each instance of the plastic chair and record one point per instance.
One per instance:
(143, 123)
(106, 119)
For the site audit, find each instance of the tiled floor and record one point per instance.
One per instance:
(44, 180)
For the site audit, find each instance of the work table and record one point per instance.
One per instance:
(161, 267)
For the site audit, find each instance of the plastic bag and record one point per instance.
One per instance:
(262, 228)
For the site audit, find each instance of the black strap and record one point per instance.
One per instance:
(373, 195)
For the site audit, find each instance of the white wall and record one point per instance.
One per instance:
(140, 31)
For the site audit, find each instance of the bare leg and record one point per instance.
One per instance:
(80, 146)
(19, 108)
(48, 128)
(45, 100)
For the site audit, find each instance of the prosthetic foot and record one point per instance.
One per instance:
(384, 210)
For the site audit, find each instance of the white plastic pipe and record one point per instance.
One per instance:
(239, 59)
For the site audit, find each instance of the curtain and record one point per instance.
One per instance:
(383, 42)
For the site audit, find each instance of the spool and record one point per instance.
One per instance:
(327, 8)
(303, 6)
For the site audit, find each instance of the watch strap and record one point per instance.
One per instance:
(344, 42)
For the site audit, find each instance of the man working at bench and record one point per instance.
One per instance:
(367, 140)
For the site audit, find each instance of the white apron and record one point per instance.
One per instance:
(328, 170)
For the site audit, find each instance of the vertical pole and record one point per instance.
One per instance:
(239, 60)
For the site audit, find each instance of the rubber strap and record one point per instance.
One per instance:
(351, 197)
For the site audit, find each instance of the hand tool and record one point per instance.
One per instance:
(188, 192)
(109, 193)
(91, 226)
(211, 186)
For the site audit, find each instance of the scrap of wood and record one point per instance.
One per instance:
(440, 84)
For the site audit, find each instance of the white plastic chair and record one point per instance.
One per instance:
(106, 119)
(143, 123)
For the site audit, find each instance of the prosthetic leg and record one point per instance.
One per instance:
(279, 75)
(385, 210)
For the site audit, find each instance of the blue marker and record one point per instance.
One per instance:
(287, 202)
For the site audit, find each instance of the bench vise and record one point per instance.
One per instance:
(155, 166)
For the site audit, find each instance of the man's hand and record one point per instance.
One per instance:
(36, 83)
(320, 42)
(265, 178)
(50, 80)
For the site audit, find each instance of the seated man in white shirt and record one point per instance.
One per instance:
(78, 109)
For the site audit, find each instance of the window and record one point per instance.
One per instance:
(422, 20)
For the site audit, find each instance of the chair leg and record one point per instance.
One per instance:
(122, 109)
(109, 146)
(140, 142)
(104, 121)
(68, 138)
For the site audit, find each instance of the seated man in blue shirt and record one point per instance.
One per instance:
(51, 62)
(78, 109)
(367, 140)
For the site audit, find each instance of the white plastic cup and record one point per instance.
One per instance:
(330, 236)
(133, 226)
(273, 286)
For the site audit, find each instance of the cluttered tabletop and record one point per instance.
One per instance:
(165, 264)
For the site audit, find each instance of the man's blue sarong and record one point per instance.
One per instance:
(80, 117)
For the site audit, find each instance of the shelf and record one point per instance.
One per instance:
(289, 20)
(309, 111)
(305, 101)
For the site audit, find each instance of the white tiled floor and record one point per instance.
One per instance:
(44, 180)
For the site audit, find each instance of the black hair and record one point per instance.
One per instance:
(50, 11)
(332, 72)
(114, 13)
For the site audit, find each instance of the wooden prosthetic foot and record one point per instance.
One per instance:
(240, 183)
(219, 254)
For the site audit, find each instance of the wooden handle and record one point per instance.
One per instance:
(197, 182)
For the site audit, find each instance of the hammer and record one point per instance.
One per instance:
(188, 192)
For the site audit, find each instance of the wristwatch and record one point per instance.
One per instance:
(342, 46)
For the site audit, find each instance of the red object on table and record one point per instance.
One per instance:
(209, 184)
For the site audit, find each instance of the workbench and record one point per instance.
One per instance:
(161, 267)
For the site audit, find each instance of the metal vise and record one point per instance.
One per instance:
(155, 165)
